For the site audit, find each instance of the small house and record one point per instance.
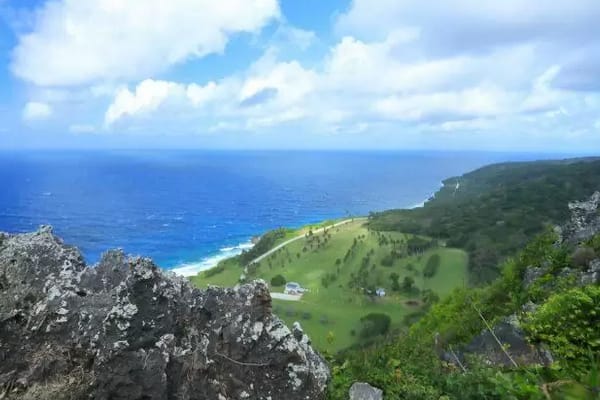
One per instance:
(380, 292)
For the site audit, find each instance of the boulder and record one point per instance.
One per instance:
(128, 330)
(585, 220)
(509, 333)
(364, 391)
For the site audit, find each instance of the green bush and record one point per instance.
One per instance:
(278, 280)
(374, 324)
(568, 323)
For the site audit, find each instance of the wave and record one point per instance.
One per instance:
(192, 268)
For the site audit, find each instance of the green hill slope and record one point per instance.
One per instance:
(493, 211)
(342, 268)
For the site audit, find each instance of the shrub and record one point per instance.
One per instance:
(374, 324)
(568, 322)
(278, 280)
(429, 297)
(387, 260)
(306, 315)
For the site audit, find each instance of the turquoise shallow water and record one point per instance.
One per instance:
(193, 208)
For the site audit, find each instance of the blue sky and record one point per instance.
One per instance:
(516, 75)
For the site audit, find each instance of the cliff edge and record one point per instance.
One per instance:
(125, 329)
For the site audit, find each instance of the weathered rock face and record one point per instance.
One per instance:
(585, 220)
(364, 391)
(127, 330)
(510, 334)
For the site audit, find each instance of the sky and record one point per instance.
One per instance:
(511, 75)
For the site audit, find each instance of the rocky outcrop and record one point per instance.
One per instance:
(585, 220)
(364, 391)
(582, 226)
(127, 330)
(514, 344)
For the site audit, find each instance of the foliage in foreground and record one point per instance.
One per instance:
(567, 320)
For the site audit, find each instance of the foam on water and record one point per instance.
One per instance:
(192, 268)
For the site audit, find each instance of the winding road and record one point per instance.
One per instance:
(319, 230)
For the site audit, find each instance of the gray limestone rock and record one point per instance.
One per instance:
(364, 391)
(128, 330)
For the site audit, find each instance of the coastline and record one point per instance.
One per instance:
(192, 268)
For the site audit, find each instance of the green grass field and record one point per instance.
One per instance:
(338, 307)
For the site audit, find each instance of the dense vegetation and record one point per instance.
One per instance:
(493, 211)
(264, 244)
(566, 320)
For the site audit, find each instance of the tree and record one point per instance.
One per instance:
(408, 283)
(374, 324)
(429, 297)
(431, 268)
(278, 280)
(394, 278)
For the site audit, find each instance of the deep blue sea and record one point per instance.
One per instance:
(192, 208)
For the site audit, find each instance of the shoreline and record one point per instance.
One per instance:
(193, 268)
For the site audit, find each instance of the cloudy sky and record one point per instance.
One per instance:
(398, 74)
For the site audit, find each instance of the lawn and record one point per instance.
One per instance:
(327, 263)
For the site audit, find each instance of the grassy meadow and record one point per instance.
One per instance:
(339, 267)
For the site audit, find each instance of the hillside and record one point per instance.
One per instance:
(531, 334)
(342, 267)
(494, 211)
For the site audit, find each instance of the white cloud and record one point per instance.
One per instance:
(269, 93)
(447, 69)
(469, 25)
(148, 96)
(34, 110)
(79, 42)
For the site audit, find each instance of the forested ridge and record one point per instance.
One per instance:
(494, 211)
(532, 333)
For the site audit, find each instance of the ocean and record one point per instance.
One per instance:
(189, 209)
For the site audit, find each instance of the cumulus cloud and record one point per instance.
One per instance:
(267, 88)
(396, 66)
(456, 27)
(34, 110)
(77, 42)
(148, 96)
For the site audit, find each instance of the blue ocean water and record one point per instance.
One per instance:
(192, 208)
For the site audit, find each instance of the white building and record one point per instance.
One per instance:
(293, 288)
